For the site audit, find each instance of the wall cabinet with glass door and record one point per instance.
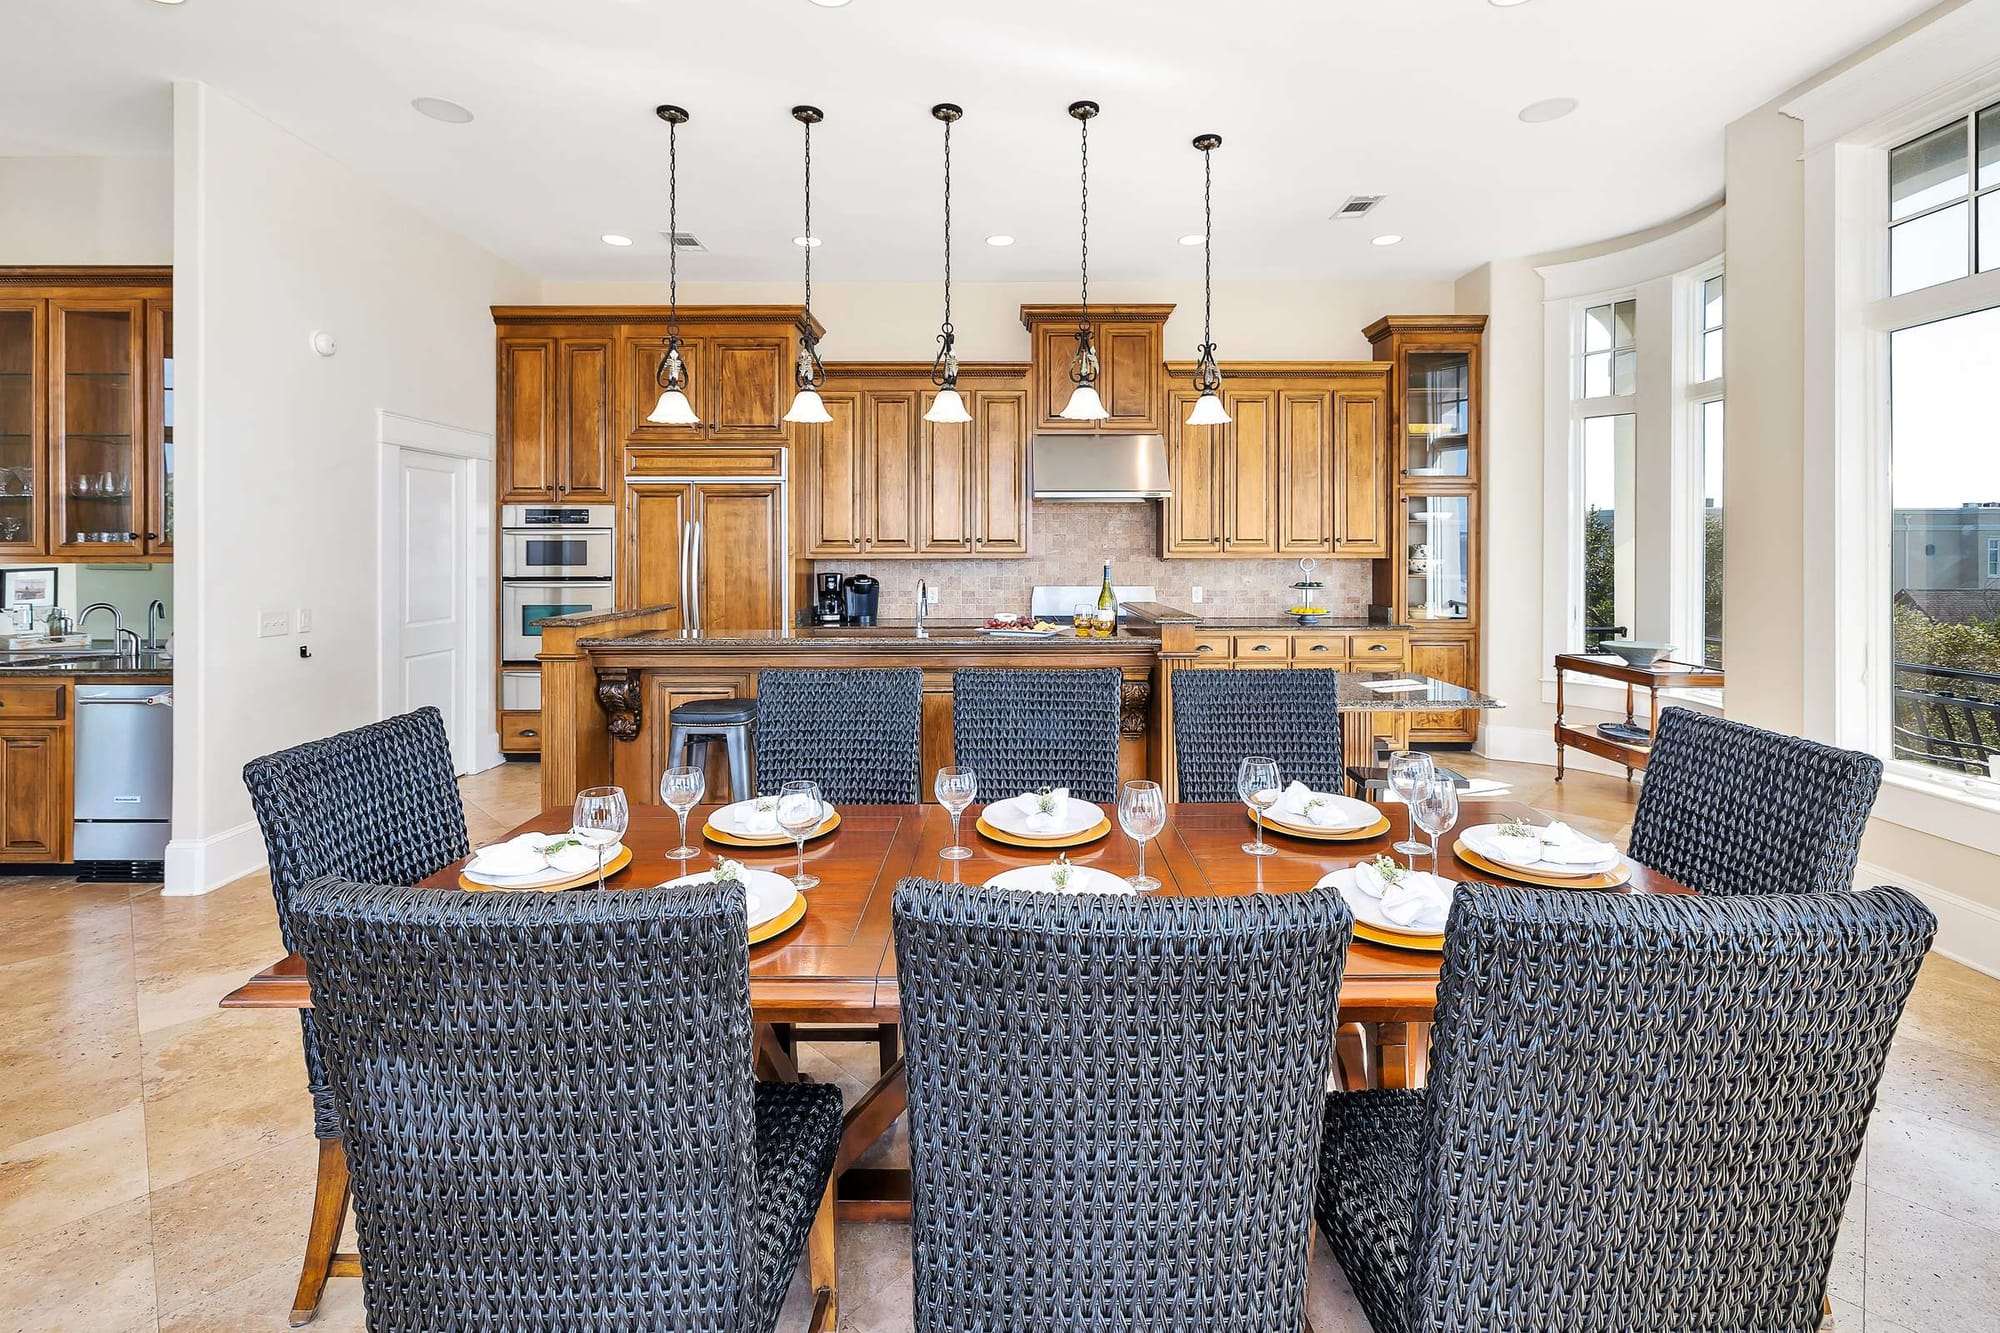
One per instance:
(86, 413)
(1430, 578)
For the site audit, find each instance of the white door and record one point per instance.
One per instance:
(428, 656)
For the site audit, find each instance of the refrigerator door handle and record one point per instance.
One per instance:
(694, 588)
(687, 612)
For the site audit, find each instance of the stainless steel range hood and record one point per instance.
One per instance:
(1101, 468)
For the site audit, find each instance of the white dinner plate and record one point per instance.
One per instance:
(1353, 815)
(1082, 879)
(1367, 908)
(1009, 817)
(1480, 838)
(535, 881)
(731, 819)
(766, 894)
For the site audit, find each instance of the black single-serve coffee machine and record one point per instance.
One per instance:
(829, 603)
(863, 593)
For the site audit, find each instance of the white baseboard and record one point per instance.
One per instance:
(1536, 745)
(1968, 932)
(201, 865)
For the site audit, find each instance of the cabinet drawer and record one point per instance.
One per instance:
(1311, 647)
(520, 732)
(1366, 648)
(1212, 647)
(31, 700)
(703, 461)
(1255, 648)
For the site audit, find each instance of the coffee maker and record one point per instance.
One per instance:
(863, 593)
(829, 604)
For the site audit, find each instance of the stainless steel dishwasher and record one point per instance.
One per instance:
(124, 772)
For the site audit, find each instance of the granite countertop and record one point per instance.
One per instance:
(943, 633)
(102, 667)
(1159, 613)
(589, 618)
(1436, 696)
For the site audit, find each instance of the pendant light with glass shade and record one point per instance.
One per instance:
(673, 409)
(811, 373)
(947, 408)
(1208, 409)
(1084, 404)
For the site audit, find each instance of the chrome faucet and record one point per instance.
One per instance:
(155, 613)
(923, 600)
(120, 635)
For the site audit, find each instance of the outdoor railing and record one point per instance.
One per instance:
(1948, 717)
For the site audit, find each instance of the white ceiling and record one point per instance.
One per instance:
(1315, 99)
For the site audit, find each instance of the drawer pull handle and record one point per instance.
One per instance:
(1378, 647)
(529, 731)
(1319, 648)
(1204, 648)
(1260, 647)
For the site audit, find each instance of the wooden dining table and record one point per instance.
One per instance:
(837, 966)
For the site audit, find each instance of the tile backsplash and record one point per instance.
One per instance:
(1070, 544)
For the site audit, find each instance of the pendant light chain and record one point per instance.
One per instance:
(809, 219)
(1084, 322)
(1207, 250)
(673, 232)
(811, 371)
(947, 331)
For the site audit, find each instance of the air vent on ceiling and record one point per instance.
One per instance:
(1358, 206)
(685, 240)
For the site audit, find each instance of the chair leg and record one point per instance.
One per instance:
(1406, 1049)
(740, 776)
(823, 1266)
(1351, 1050)
(889, 1044)
(329, 1214)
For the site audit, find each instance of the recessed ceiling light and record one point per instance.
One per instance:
(1555, 108)
(451, 113)
(806, 242)
(1000, 240)
(610, 239)
(1390, 239)
(830, 4)
(1194, 239)
(166, 2)
(1506, 4)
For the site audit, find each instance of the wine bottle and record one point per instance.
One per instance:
(1107, 606)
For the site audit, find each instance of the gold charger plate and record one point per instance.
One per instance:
(1398, 940)
(782, 922)
(714, 834)
(1091, 834)
(1609, 879)
(1374, 830)
(611, 867)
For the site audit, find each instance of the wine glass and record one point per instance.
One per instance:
(1435, 811)
(1257, 784)
(1409, 772)
(1142, 813)
(681, 789)
(956, 785)
(599, 820)
(800, 811)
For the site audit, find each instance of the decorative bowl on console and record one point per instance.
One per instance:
(1636, 652)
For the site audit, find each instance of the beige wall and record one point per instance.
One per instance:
(898, 321)
(274, 240)
(1763, 483)
(86, 210)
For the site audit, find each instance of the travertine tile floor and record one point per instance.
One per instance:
(156, 1158)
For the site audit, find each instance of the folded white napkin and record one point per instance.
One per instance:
(1564, 846)
(760, 817)
(1301, 802)
(1047, 811)
(532, 853)
(1407, 898)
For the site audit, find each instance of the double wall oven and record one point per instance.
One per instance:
(555, 560)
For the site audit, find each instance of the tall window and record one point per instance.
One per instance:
(1944, 204)
(1705, 418)
(1945, 545)
(1608, 383)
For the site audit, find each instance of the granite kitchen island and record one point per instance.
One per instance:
(610, 680)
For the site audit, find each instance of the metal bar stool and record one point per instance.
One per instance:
(694, 725)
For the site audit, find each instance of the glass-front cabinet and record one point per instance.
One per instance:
(1437, 539)
(23, 332)
(1437, 414)
(97, 435)
(86, 414)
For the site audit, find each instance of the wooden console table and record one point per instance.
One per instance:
(1633, 754)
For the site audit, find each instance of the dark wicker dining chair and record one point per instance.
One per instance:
(1643, 1113)
(378, 803)
(853, 731)
(1115, 1105)
(1222, 716)
(1729, 808)
(551, 1118)
(1019, 730)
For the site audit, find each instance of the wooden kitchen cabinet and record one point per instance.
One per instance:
(739, 382)
(526, 443)
(35, 805)
(714, 549)
(555, 440)
(98, 448)
(1453, 659)
(23, 414)
(1300, 470)
(879, 479)
(160, 428)
(1130, 342)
